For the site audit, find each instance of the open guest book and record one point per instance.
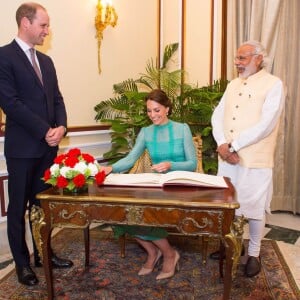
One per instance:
(185, 178)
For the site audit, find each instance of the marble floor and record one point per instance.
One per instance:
(282, 227)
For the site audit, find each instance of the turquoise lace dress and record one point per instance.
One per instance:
(170, 142)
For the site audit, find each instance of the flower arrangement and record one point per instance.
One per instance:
(74, 170)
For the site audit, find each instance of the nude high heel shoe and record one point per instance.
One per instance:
(145, 271)
(163, 275)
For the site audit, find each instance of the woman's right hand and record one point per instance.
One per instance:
(107, 169)
(161, 167)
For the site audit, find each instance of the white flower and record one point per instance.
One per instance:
(64, 171)
(80, 167)
(54, 169)
(94, 168)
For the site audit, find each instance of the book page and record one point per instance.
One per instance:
(142, 179)
(193, 178)
(172, 178)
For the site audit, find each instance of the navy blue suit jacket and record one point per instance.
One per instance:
(30, 107)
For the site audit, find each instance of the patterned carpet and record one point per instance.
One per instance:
(110, 277)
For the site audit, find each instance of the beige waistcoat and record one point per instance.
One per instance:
(244, 101)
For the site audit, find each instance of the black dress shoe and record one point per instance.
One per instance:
(37, 263)
(26, 276)
(216, 255)
(60, 263)
(57, 263)
(253, 266)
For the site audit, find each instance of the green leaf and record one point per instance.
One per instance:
(168, 53)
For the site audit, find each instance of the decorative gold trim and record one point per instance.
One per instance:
(236, 238)
(212, 30)
(142, 201)
(37, 217)
(224, 40)
(182, 38)
(205, 223)
(64, 214)
(134, 214)
(159, 41)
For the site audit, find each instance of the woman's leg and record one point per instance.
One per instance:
(154, 249)
(169, 253)
(152, 252)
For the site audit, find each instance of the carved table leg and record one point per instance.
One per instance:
(235, 237)
(221, 260)
(86, 232)
(234, 241)
(228, 270)
(205, 240)
(42, 237)
(122, 240)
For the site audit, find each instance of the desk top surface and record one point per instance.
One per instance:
(168, 196)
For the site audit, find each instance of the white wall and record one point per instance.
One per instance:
(73, 47)
(197, 41)
(125, 48)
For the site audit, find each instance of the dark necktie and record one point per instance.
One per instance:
(35, 66)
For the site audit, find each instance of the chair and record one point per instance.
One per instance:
(143, 165)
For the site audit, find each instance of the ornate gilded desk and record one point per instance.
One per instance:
(190, 210)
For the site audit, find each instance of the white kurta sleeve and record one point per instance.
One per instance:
(217, 122)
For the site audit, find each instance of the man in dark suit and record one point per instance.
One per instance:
(35, 124)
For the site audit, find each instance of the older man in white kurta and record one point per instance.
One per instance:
(245, 126)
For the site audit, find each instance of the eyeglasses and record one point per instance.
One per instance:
(243, 57)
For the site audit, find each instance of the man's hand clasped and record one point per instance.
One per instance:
(227, 155)
(55, 135)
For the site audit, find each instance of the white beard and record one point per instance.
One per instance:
(248, 71)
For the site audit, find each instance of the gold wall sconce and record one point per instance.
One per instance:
(106, 16)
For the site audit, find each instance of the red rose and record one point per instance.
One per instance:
(74, 152)
(100, 176)
(59, 159)
(47, 175)
(79, 180)
(62, 182)
(88, 158)
(71, 161)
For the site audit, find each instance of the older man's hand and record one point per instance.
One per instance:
(230, 157)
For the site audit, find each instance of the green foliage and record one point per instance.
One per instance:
(168, 53)
(192, 105)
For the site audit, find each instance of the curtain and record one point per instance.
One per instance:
(276, 24)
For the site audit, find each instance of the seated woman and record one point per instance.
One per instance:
(170, 146)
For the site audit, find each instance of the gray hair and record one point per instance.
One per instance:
(260, 50)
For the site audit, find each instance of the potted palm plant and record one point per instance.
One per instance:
(192, 105)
